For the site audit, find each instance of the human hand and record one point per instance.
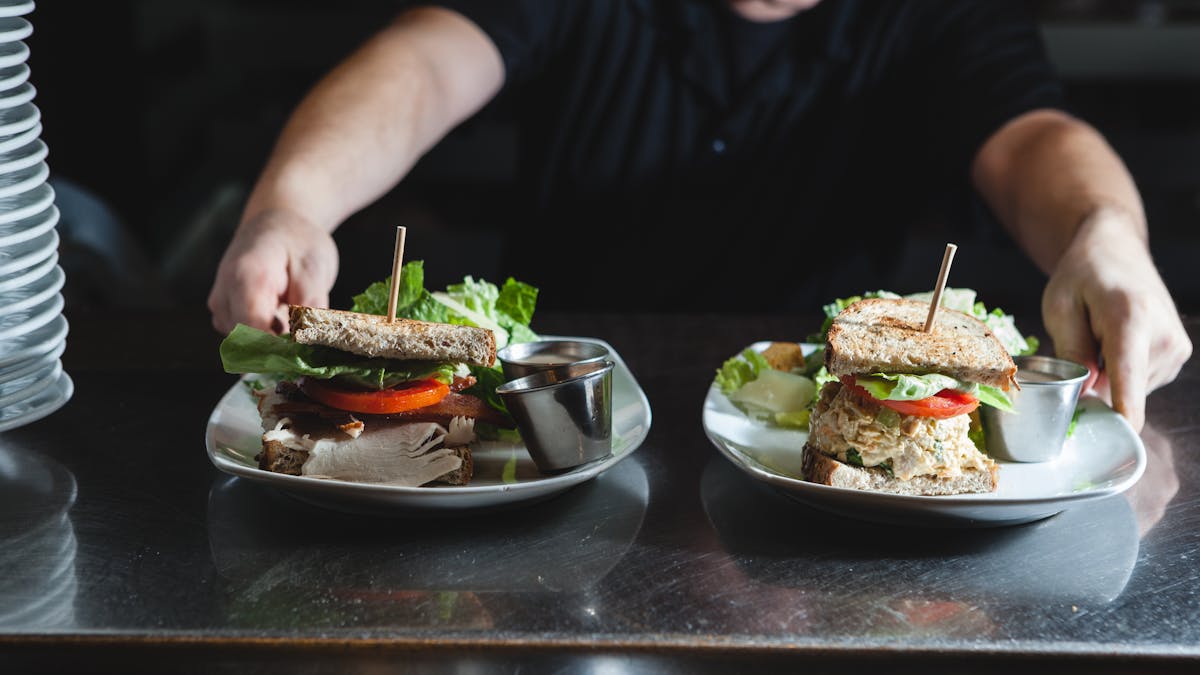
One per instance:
(1106, 306)
(276, 258)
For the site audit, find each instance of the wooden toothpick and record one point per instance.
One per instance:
(397, 264)
(947, 258)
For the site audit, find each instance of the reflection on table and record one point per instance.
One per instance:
(290, 563)
(37, 542)
(862, 578)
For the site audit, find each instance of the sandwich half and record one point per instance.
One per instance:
(364, 399)
(899, 415)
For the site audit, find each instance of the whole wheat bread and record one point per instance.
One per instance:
(887, 335)
(373, 335)
(818, 467)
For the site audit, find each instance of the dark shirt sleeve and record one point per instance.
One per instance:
(988, 65)
(526, 32)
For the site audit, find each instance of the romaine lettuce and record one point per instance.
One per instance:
(249, 350)
(507, 311)
(908, 387)
(739, 370)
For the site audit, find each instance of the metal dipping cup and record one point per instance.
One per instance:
(1045, 404)
(564, 415)
(526, 358)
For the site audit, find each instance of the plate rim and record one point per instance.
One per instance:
(39, 175)
(58, 280)
(34, 363)
(15, 96)
(538, 487)
(43, 200)
(37, 253)
(61, 329)
(27, 275)
(20, 8)
(39, 315)
(60, 392)
(800, 487)
(24, 234)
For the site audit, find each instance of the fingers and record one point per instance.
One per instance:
(1171, 349)
(277, 259)
(1127, 362)
(1066, 320)
(247, 290)
(308, 283)
(311, 273)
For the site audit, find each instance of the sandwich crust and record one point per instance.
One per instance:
(886, 335)
(818, 467)
(374, 336)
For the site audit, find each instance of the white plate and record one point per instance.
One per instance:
(19, 118)
(23, 180)
(29, 228)
(27, 276)
(26, 321)
(23, 157)
(37, 407)
(27, 204)
(34, 293)
(14, 28)
(15, 7)
(14, 141)
(234, 432)
(17, 348)
(28, 253)
(18, 95)
(12, 53)
(33, 365)
(1104, 457)
(29, 386)
(13, 76)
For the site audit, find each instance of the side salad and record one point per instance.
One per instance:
(782, 393)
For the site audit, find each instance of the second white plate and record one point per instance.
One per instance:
(1104, 457)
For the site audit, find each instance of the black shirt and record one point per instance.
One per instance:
(665, 166)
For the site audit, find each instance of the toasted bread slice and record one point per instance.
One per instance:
(818, 467)
(375, 336)
(886, 335)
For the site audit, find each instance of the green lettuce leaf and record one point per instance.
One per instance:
(989, 395)
(507, 310)
(249, 350)
(907, 387)
(740, 369)
(374, 300)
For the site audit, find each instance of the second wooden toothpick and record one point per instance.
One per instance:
(947, 259)
(397, 264)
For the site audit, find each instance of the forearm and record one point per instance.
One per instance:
(365, 124)
(1047, 174)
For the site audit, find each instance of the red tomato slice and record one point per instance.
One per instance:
(945, 403)
(407, 396)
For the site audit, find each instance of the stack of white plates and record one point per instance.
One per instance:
(33, 330)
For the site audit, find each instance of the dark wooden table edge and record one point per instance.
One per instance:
(1066, 658)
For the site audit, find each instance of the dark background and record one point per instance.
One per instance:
(158, 116)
